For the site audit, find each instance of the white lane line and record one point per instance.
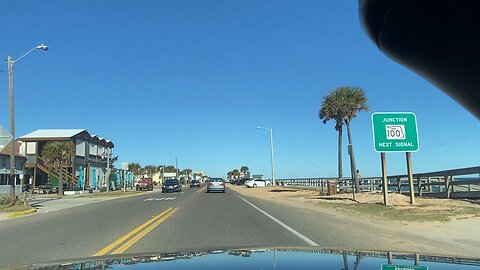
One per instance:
(160, 199)
(285, 226)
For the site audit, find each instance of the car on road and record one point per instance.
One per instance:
(216, 184)
(195, 183)
(172, 185)
(144, 184)
(253, 183)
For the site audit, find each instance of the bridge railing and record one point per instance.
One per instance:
(464, 182)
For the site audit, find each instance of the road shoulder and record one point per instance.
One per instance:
(459, 231)
(45, 204)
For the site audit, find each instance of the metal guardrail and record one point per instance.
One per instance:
(447, 183)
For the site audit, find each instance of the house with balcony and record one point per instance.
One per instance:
(5, 150)
(91, 152)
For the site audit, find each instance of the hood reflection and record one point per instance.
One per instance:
(267, 259)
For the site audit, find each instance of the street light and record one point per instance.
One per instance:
(11, 62)
(107, 154)
(271, 153)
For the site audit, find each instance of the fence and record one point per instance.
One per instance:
(457, 183)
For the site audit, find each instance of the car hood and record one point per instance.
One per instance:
(267, 258)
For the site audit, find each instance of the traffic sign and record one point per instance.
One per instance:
(395, 132)
(403, 267)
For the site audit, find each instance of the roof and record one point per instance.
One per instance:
(52, 133)
(63, 134)
(7, 149)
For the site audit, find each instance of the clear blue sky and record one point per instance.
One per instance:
(193, 79)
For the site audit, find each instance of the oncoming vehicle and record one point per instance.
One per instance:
(253, 183)
(144, 184)
(195, 183)
(216, 184)
(172, 185)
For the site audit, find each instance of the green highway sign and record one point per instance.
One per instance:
(403, 267)
(395, 132)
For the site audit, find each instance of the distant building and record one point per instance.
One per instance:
(169, 175)
(90, 153)
(20, 159)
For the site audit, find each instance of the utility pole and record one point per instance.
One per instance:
(108, 170)
(271, 153)
(10, 63)
(176, 167)
(12, 128)
(124, 181)
(271, 157)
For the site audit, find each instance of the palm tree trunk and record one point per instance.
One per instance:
(340, 170)
(60, 181)
(352, 158)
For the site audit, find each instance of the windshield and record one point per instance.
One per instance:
(349, 150)
(171, 182)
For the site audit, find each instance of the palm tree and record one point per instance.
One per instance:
(151, 170)
(135, 168)
(187, 172)
(170, 169)
(235, 173)
(59, 154)
(329, 111)
(343, 104)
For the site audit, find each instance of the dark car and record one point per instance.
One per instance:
(172, 185)
(195, 183)
(240, 182)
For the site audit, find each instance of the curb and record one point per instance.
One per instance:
(22, 213)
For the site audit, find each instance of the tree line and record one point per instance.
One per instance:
(151, 170)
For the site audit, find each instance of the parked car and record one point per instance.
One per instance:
(144, 184)
(257, 183)
(216, 184)
(195, 183)
(172, 185)
(240, 182)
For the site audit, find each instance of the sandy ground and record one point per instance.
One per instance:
(452, 221)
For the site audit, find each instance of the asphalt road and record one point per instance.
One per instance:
(190, 220)
(200, 220)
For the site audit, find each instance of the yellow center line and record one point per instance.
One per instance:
(143, 233)
(112, 245)
(200, 190)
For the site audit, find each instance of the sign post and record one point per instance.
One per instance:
(384, 178)
(124, 170)
(395, 132)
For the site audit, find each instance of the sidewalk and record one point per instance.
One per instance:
(49, 203)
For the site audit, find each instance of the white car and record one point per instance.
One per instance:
(257, 183)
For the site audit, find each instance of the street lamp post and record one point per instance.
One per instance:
(271, 153)
(11, 62)
(107, 154)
